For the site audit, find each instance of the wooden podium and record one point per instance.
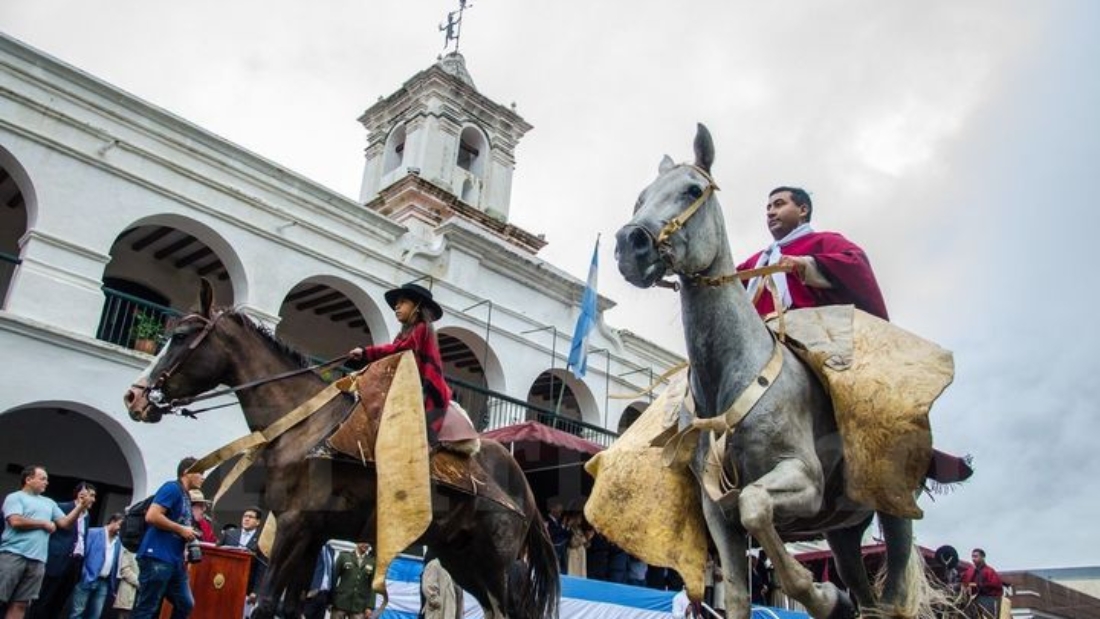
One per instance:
(219, 583)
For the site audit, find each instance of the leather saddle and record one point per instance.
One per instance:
(355, 437)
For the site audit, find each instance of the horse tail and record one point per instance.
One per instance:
(926, 599)
(540, 589)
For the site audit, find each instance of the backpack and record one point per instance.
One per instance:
(133, 524)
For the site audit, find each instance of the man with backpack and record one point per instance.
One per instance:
(160, 557)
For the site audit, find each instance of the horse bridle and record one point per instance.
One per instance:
(663, 239)
(675, 224)
(154, 392)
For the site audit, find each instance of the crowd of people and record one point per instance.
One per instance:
(54, 564)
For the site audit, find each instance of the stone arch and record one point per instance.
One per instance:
(326, 316)
(18, 211)
(469, 193)
(473, 151)
(484, 359)
(230, 278)
(394, 152)
(472, 370)
(154, 272)
(75, 441)
(630, 415)
(22, 180)
(577, 401)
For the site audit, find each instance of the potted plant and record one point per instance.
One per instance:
(147, 330)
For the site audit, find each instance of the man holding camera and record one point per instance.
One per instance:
(167, 541)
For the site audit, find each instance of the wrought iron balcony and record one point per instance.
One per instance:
(129, 321)
(490, 410)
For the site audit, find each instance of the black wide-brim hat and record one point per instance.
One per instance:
(417, 294)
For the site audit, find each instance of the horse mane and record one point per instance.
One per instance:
(268, 336)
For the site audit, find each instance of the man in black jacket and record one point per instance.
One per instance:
(248, 538)
(65, 559)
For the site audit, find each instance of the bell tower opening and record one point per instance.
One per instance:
(395, 151)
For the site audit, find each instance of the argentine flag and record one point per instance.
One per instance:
(578, 351)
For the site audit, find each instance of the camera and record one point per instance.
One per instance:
(193, 552)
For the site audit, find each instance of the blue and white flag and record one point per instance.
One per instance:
(580, 598)
(578, 351)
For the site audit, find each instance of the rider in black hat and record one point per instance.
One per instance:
(416, 311)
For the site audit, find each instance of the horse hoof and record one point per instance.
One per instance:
(845, 608)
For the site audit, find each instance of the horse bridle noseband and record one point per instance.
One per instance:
(663, 239)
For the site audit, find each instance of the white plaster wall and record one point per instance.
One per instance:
(95, 175)
(497, 193)
(59, 367)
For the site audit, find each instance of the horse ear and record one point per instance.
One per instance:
(704, 147)
(666, 164)
(206, 297)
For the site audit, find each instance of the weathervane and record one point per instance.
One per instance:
(453, 27)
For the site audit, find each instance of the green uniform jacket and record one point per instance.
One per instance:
(351, 590)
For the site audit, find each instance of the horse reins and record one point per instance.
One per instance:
(154, 392)
(674, 225)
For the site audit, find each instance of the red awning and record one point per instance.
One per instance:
(537, 446)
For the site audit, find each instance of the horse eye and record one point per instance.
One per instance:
(694, 191)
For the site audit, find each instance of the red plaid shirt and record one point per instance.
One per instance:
(422, 341)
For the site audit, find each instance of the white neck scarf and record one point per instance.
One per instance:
(770, 256)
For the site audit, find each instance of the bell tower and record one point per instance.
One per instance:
(438, 130)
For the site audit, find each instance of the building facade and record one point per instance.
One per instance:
(112, 210)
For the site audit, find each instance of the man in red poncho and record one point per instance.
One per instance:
(828, 269)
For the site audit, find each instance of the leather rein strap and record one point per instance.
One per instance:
(678, 446)
(251, 445)
(208, 327)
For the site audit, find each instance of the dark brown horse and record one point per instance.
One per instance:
(316, 499)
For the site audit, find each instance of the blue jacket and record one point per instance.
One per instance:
(94, 542)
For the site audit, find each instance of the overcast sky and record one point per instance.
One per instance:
(955, 141)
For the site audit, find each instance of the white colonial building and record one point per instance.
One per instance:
(111, 210)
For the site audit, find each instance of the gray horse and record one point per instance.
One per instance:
(787, 452)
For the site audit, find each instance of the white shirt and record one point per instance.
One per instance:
(78, 550)
(246, 536)
(108, 556)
